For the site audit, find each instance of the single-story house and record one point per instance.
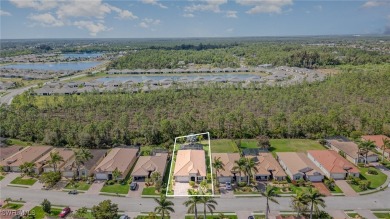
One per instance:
(332, 164)
(122, 159)
(268, 167)
(298, 166)
(6, 152)
(43, 164)
(87, 169)
(28, 154)
(378, 141)
(228, 159)
(190, 165)
(146, 165)
(350, 149)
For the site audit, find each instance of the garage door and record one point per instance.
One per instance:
(224, 179)
(182, 178)
(316, 178)
(101, 176)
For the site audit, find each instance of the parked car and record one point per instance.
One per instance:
(228, 185)
(123, 216)
(133, 186)
(251, 217)
(73, 192)
(64, 212)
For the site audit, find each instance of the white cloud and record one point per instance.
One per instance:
(188, 15)
(375, 3)
(265, 6)
(231, 14)
(207, 5)
(4, 13)
(36, 4)
(153, 2)
(148, 22)
(92, 27)
(46, 20)
(78, 8)
(123, 14)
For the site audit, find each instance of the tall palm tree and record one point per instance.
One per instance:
(191, 203)
(299, 202)
(250, 167)
(365, 147)
(27, 168)
(386, 145)
(164, 206)
(82, 155)
(55, 158)
(208, 203)
(218, 165)
(240, 166)
(269, 194)
(315, 198)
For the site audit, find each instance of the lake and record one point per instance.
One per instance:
(81, 55)
(72, 66)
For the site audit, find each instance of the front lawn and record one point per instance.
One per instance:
(353, 215)
(382, 215)
(40, 214)
(24, 181)
(79, 186)
(376, 180)
(1, 177)
(335, 189)
(223, 146)
(116, 188)
(12, 206)
(149, 191)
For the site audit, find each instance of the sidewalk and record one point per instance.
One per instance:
(8, 178)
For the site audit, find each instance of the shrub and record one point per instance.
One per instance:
(110, 182)
(158, 185)
(364, 184)
(46, 206)
(241, 184)
(360, 164)
(192, 184)
(372, 171)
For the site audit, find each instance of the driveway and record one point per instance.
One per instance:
(181, 188)
(8, 179)
(337, 214)
(322, 188)
(95, 188)
(346, 188)
(226, 193)
(138, 192)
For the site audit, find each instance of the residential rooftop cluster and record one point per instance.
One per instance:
(34, 74)
(50, 58)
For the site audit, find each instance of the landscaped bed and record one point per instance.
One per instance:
(78, 185)
(40, 214)
(353, 215)
(13, 206)
(382, 215)
(1, 177)
(27, 181)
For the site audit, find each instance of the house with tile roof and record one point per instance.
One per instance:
(299, 166)
(146, 165)
(228, 159)
(87, 169)
(43, 164)
(190, 165)
(28, 154)
(332, 164)
(122, 159)
(378, 141)
(7, 151)
(268, 167)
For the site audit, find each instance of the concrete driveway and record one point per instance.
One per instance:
(95, 188)
(226, 193)
(8, 179)
(346, 188)
(138, 192)
(181, 188)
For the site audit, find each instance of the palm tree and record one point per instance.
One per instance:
(208, 202)
(116, 173)
(239, 166)
(218, 165)
(250, 167)
(82, 155)
(164, 206)
(191, 203)
(27, 168)
(365, 147)
(269, 194)
(55, 158)
(386, 145)
(315, 198)
(299, 202)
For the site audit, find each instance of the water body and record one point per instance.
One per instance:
(141, 78)
(81, 55)
(72, 66)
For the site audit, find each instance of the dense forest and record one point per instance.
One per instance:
(355, 100)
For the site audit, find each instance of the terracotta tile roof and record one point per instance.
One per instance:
(332, 161)
(298, 163)
(119, 158)
(348, 147)
(97, 154)
(154, 163)
(377, 139)
(65, 153)
(28, 154)
(190, 161)
(266, 162)
(228, 161)
(6, 152)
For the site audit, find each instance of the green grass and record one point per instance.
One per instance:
(336, 189)
(40, 214)
(146, 217)
(259, 216)
(12, 206)
(1, 177)
(223, 146)
(22, 181)
(12, 141)
(116, 188)
(79, 186)
(376, 180)
(382, 215)
(294, 145)
(352, 214)
(149, 191)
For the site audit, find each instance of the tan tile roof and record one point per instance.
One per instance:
(97, 154)
(348, 147)
(332, 161)
(6, 152)
(28, 154)
(190, 161)
(65, 153)
(119, 158)
(298, 162)
(377, 139)
(266, 162)
(145, 164)
(228, 161)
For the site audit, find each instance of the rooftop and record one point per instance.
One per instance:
(265, 163)
(119, 158)
(28, 154)
(332, 161)
(190, 161)
(146, 164)
(228, 161)
(298, 163)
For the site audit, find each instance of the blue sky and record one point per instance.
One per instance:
(206, 18)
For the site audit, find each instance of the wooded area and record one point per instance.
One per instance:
(356, 99)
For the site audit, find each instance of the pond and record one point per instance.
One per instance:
(72, 66)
